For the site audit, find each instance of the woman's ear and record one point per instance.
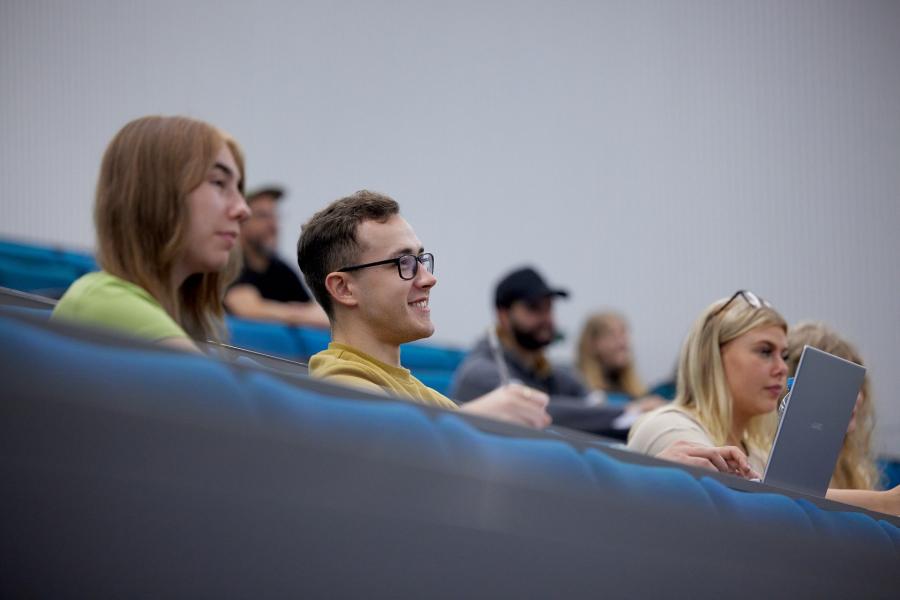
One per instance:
(341, 289)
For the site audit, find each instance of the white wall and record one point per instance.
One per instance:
(651, 156)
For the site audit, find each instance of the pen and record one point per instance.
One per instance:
(497, 353)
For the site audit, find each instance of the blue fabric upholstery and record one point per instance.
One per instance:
(425, 356)
(479, 482)
(312, 340)
(26, 277)
(890, 472)
(37, 254)
(437, 379)
(269, 338)
(618, 399)
(33, 268)
(434, 365)
(40, 313)
(199, 390)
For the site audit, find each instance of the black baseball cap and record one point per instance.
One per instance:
(524, 284)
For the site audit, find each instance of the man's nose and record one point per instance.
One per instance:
(424, 278)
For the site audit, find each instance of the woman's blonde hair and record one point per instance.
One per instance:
(702, 387)
(141, 214)
(855, 469)
(598, 325)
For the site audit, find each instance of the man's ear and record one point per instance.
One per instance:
(341, 289)
(503, 317)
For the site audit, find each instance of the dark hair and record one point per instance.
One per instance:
(328, 240)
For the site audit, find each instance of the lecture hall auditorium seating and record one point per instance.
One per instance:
(43, 270)
(129, 470)
(48, 271)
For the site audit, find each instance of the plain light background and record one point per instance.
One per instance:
(651, 156)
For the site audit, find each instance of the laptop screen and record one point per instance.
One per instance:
(812, 429)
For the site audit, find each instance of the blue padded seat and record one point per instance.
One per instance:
(268, 338)
(436, 379)
(312, 340)
(38, 313)
(425, 355)
(38, 254)
(617, 399)
(17, 275)
(34, 268)
(300, 343)
(273, 484)
(890, 472)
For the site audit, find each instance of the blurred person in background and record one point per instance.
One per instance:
(606, 362)
(855, 469)
(514, 350)
(267, 288)
(168, 209)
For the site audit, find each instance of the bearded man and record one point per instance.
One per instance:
(524, 328)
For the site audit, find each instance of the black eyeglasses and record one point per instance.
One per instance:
(752, 299)
(407, 265)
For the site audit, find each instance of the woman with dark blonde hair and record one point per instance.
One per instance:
(605, 360)
(855, 469)
(168, 206)
(606, 363)
(731, 376)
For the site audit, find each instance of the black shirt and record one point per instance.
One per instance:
(279, 282)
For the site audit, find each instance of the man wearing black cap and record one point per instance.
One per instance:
(514, 351)
(267, 289)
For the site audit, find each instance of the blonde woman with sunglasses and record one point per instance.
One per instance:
(731, 375)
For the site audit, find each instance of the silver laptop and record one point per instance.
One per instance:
(814, 423)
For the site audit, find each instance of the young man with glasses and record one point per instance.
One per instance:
(371, 274)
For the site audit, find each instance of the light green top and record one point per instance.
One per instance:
(104, 300)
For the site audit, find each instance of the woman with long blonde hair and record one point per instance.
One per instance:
(605, 359)
(168, 206)
(731, 374)
(606, 363)
(855, 469)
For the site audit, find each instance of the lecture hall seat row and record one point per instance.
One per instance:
(130, 469)
(50, 270)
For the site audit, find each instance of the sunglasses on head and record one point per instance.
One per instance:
(752, 299)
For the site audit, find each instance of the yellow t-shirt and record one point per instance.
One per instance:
(344, 364)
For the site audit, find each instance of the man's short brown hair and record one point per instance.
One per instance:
(328, 240)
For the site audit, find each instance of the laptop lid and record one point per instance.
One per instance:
(814, 423)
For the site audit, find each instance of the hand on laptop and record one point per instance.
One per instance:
(726, 459)
(513, 403)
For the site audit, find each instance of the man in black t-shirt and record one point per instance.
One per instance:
(268, 289)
